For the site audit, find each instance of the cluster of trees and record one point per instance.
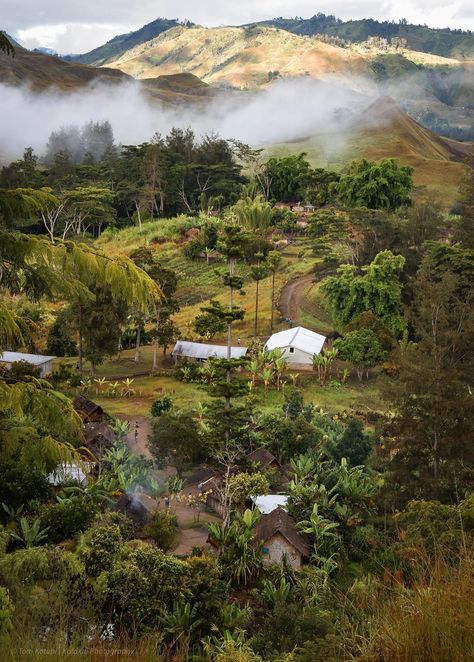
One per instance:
(94, 183)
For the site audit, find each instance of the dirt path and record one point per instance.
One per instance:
(292, 296)
(192, 534)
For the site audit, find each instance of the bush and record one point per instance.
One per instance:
(21, 369)
(68, 517)
(161, 405)
(111, 518)
(163, 528)
(99, 547)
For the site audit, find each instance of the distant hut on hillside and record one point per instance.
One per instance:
(278, 534)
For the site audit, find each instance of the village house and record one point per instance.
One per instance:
(43, 363)
(89, 411)
(298, 344)
(267, 503)
(98, 438)
(201, 352)
(263, 459)
(280, 539)
(70, 472)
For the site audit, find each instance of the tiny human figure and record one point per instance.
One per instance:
(238, 342)
(167, 501)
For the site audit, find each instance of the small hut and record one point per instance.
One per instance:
(89, 411)
(138, 507)
(298, 345)
(263, 459)
(280, 539)
(99, 437)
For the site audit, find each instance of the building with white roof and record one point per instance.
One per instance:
(202, 352)
(298, 345)
(44, 363)
(267, 503)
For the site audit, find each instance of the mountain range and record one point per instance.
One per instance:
(400, 88)
(429, 72)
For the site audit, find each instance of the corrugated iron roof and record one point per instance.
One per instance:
(299, 337)
(34, 359)
(197, 350)
(267, 503)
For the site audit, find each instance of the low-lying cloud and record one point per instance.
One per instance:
(285, 111)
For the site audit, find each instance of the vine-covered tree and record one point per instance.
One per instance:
(381, 185)
(378, 289)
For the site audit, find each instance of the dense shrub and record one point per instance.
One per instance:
(68, 517)
(163, 528)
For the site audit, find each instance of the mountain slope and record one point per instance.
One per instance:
(40, 71)
(239, 57)
(435, 90)
(123, 42)
(383, 130)
(445, 42)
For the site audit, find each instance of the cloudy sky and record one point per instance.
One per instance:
(74, 26)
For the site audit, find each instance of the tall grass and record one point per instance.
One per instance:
(431, 621)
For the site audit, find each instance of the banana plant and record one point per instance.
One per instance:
(31, 534)
(13, 513)
(267, 376)
(127, 390)
(272, 595)
(100, 384)
(121, 428)
(113, 389)
(322, 530)
(254, 369)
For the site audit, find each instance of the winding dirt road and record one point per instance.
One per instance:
(292, 296)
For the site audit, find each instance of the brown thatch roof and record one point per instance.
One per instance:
(262, 457)
(87, 409)
(98, 437)
(278, 521)
(138, 507)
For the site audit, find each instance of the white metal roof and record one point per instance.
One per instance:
(197, 350)
(34, 359)
(66, 472)
(267, 503)
(299, 337)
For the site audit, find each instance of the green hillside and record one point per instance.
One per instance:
(445, 42)
(123, 42)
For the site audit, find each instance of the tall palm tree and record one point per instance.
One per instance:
(274, 259)
(258, 272)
